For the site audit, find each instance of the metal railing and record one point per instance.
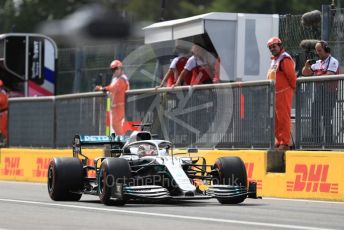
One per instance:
(31, 122)
(53, 121)
(320, 112)
(228, 115)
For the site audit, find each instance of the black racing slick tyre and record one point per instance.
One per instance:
(113, 172)
(231, 171)
(65, 179)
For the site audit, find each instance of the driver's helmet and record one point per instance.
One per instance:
(163, 152)
(147, 150)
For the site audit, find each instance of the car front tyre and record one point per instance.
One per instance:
(65, 178)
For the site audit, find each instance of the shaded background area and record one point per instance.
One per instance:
(24, 15)
(90, 33)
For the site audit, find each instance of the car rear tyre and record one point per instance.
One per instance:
(65, 178)
(231, 171)
(112, 172)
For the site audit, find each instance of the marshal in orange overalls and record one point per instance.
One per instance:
(3, 113)
(117, 89)
(282, 71)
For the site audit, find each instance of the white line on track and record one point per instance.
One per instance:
(303, 200)
(206, 219)
(22, 182)
(264, 198)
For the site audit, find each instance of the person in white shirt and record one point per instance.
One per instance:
(199, 69)
(325, 93)
(326, 65)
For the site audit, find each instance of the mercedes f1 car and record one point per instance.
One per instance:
(145, 168)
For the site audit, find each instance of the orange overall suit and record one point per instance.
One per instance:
(282, 71)
(3, 112)
(117, 88)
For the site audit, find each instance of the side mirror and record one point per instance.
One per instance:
(192, 150)
(126, 150)
(116, 152)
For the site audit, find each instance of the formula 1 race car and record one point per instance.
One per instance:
(144, 168)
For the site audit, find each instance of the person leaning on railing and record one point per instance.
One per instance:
(117, 88)
(325, 92)
(200, 68)
(176, 66)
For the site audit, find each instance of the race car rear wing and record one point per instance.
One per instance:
(92, 140)
(143, 126)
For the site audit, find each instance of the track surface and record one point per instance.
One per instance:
(28, 206)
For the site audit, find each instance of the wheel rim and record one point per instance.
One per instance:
(50, 179)
(101, 181)
(219, 175)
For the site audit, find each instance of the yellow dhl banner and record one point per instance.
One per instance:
(309, 175)
(32, 164)
(315, 175)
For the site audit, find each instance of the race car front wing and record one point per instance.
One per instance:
(156, 192)
(146, 192)
(226, 191)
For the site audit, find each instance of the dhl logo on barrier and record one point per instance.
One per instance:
(249, 170)
(42, 164)
(312, 179)
(12, 167)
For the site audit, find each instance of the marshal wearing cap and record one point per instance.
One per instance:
(274, 40)
(115, 64)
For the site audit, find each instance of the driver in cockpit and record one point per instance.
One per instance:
(147, 150)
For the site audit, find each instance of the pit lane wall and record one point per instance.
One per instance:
(308, 174)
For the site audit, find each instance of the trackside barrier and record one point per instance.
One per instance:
(320, 112)
(222, 116)
(31, 122)
(308, 175)
(31, 165)
(226, 115)
(53, 121)
(255, 162)
(314, 175)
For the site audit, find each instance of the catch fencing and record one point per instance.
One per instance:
(228, 115)
(53, 121)
(223, 116)
(320, 112)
